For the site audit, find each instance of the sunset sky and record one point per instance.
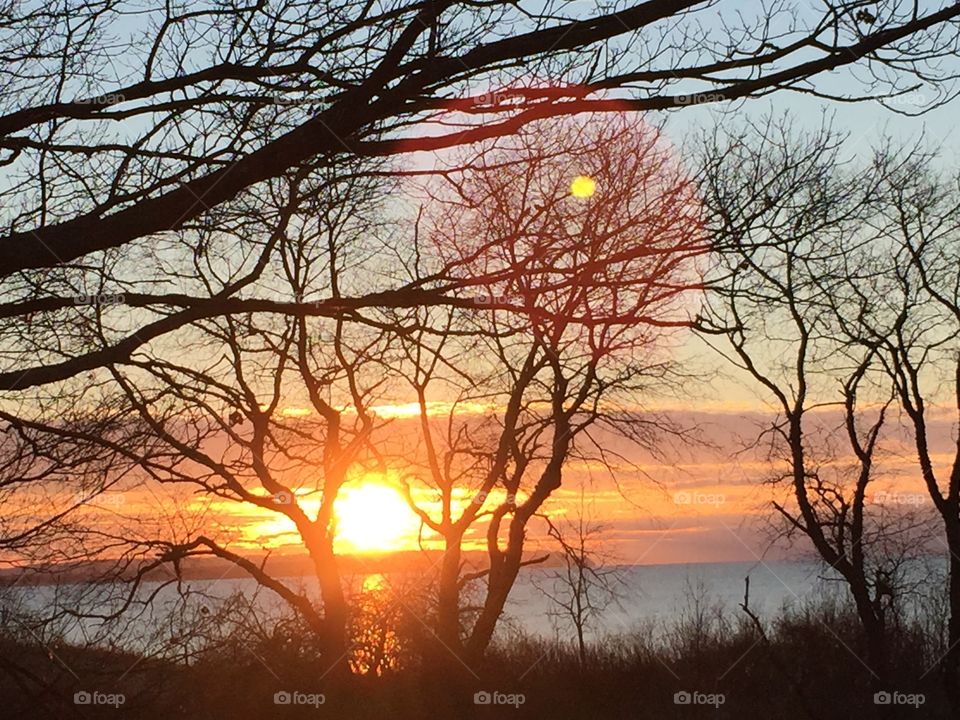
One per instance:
(702, 502)
(698, 502)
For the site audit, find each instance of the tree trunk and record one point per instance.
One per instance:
(448, 597)
(500, 584)
(335, 612)
(875, 632)
(503, 573)
(581, 644)
(951, 661)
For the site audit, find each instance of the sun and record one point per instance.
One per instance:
(371, 517)
(583, 186)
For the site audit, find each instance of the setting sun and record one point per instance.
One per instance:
(372, 517)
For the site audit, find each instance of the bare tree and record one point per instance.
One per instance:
(578, 299)
(125, 184)
(148, 266)
(216, 420)
(589, 581)
(911, 316)
(787, 218)
(212, 103)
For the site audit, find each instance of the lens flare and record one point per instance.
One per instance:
(583, 186)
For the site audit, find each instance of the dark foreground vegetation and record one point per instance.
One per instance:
(804, 665)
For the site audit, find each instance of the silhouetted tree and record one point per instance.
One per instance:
(577, 297)
(111, 162)
(787, 219)
(589, 580)
(271, 411)
(908, 311)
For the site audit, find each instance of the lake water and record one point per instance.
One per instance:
(659, 595)
(651, 597)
